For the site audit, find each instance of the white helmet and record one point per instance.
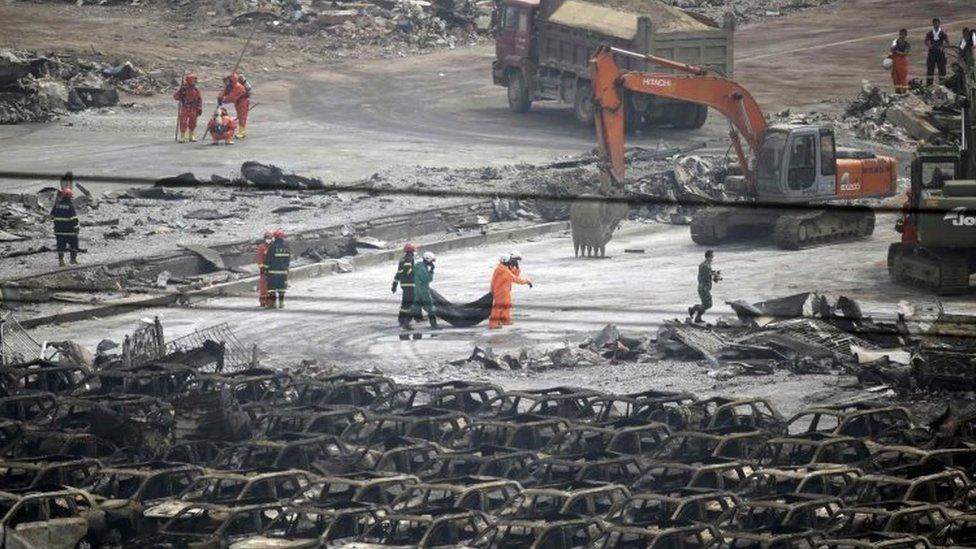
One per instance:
(886, 63)
(515, 255)
(429, 256)
(504, 258)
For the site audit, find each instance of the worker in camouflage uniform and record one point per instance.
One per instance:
(706, 276)
(423, 274)
(405, 279)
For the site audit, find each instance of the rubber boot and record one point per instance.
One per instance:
(193, 138)
(61, 259)
(182, 138)
(281, 301)
(691, 312)
(230, 141)
(74, 258)
(242, 132)
(433, 322)
(698, 319)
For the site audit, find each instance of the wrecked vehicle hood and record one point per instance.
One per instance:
(259, 542)
(167, 509)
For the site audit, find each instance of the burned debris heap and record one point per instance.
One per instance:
(191, 442)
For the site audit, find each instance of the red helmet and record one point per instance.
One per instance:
(67, 193)
(409, 247)
(279, 233)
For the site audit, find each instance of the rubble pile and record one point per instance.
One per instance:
(925, 114)
(160, 443)
(746, 10)
(38, 88)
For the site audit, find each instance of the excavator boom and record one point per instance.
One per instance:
(697, 86)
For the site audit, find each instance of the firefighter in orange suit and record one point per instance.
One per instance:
(501, 292)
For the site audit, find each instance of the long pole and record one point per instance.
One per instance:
(179, 107)
(254, 27)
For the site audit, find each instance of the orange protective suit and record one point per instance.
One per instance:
(222, 129)
(236, 93)
(191, 104)
(899, 71)
(263, 297)
(501, 294)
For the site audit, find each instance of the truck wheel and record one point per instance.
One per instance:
(689, 116)
(518, 93)
(583, 104)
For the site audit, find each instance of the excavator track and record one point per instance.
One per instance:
(795, 230)
(709, 226)
(942, 271)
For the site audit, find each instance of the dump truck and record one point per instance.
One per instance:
(543, 47)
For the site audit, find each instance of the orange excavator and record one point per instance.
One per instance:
(796, 173)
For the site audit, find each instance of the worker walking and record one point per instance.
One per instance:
(898, 54)
(261, 258)
(404, 277)
(278, 260)
(935, 40)
(191, 107)
(237, 92)
(501, 292)
(423, 274)
(221, 127)
(66, 226)
(706, 276)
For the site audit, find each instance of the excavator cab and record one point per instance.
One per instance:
(796, 164)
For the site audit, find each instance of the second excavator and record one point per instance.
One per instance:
(798, 186)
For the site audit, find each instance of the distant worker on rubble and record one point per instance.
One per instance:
(261, 258)
(404, 277)
(221, 127)
(935, 40)
(191, 107)
(278, 260)
(237, 91)
(423, 274)
(66, 226)
(706, 276)
(966, 46)
(502, 279)
(898, 54)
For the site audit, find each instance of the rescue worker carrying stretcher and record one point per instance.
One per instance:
(278, 261)
(423, 274)
(191, 107)
(404, 277)
(502, 278)
(221, 127)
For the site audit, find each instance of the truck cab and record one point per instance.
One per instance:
(513, 51)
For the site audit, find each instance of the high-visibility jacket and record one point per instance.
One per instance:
(404, 274)
(65, 217)
(278, 261)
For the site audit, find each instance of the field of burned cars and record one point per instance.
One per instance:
(195, 447)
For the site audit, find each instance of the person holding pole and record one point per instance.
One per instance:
(190, 108)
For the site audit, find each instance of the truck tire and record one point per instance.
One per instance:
(583, 103)
(689, 116)
(518, 92)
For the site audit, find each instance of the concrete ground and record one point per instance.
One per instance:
(349, 320)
